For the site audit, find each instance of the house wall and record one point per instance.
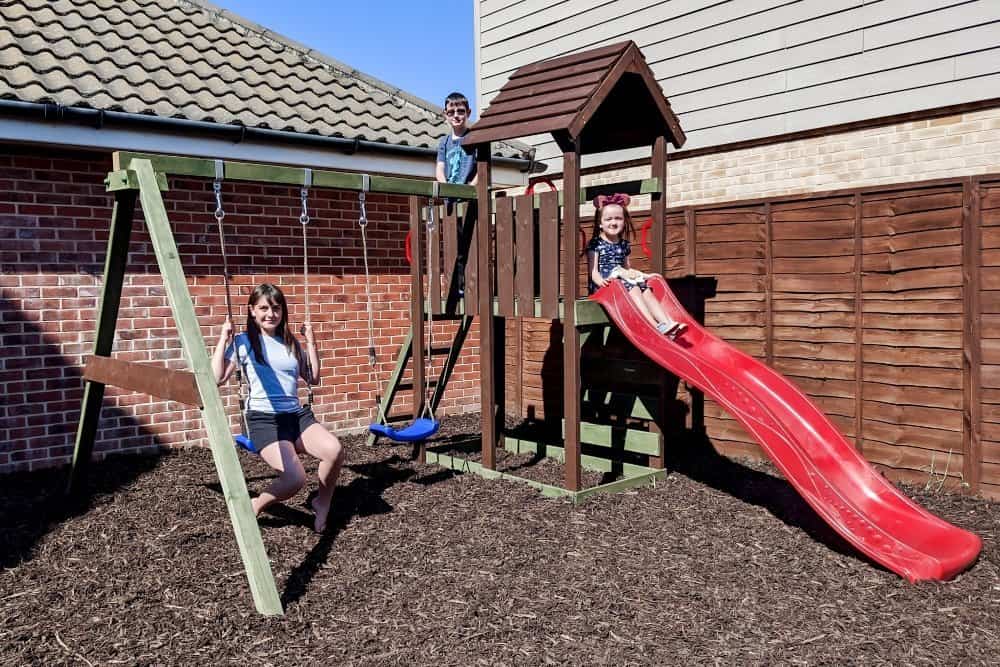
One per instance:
(736, 71)
(54, 219)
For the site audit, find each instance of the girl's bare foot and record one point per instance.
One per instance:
(322, 511)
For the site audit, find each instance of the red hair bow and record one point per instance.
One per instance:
(600, 201)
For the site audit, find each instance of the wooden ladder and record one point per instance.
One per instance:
(395, 383)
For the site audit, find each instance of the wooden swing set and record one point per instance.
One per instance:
(143, 178)
(526, 266)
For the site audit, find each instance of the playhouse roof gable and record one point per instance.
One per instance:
(603, 99)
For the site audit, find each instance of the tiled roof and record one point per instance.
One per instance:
(196, 61)
(590, 90)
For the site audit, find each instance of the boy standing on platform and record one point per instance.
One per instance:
(454, 165)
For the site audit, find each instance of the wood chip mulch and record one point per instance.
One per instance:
(721, 563)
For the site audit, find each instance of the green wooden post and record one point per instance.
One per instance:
(107, 317)
(262, 586)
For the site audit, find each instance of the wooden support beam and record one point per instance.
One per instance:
(768, 287)
(646, 186)
(156, 381)
(972, 332)
(107, 316)
(123, 179)
(690, 242)
(658, 209)
(484, 272)
(268, 173)
(220, 439)
(571, 336)
(859, 328)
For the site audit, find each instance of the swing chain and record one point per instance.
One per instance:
(431, 226)
(220, 213)
(304, 220)
(363, 217)
(304, 216)
(242, 392)
(363, 225)
(432, 204)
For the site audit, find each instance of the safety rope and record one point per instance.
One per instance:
(304, 221)
(220, 215)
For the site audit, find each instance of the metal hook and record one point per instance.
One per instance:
(306, 183)
(217, 189)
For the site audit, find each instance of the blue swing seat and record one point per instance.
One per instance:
(421, 429)
(245, 443)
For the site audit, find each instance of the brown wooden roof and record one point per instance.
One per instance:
(607, 98)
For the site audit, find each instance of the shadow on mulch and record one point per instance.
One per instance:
(34, 503)
(361, 497)
(694, 456)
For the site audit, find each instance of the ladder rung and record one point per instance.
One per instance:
(440, 350)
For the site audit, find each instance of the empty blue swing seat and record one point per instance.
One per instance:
(245, 443)
(421, 429)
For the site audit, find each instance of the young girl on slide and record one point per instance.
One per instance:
(607, 259)
(273, 360)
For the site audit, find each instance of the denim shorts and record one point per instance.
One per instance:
(268, 427)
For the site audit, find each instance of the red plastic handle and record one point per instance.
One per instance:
(409, 250)
(530, 190)
(644, 241)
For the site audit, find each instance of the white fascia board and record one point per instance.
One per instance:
(179, 143)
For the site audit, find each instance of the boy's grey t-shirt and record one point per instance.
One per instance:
(459, 166)
(275, 387)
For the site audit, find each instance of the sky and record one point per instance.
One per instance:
(424, 48)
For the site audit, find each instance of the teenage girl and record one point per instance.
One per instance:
(273, 361)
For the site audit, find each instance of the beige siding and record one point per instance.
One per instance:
(747, 69)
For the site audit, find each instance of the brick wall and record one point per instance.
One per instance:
(54, 217)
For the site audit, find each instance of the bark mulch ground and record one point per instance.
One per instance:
(721, 563)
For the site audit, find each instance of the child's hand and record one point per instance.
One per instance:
(226, 331)
(600, 281)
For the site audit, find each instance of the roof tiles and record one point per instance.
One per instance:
(192, 60)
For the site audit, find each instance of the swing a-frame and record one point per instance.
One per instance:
(143, 177)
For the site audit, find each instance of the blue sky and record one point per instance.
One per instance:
(425, 48)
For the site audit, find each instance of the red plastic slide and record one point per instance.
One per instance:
(843, 488)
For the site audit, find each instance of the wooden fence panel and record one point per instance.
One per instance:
(505, 255)
(730, 245)
(527, 237)
(989, 304)
(449, 242)
(813, 300)
(911, 250)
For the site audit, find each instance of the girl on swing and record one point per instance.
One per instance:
(281, 429)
